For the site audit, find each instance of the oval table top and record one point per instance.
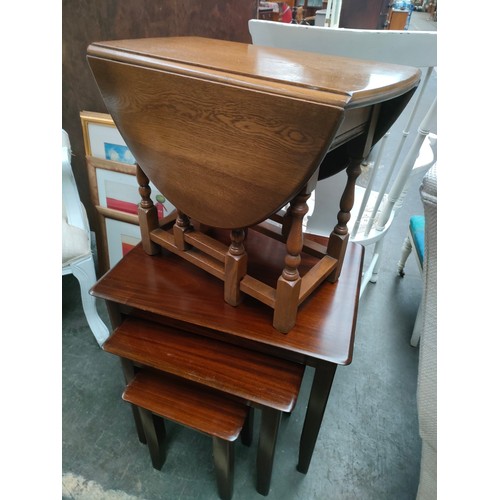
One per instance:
(230, 132)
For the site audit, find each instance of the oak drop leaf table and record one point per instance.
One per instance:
(235, 134)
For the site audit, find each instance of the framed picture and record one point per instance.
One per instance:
(114, 190)
(102, 139)
(122, 237)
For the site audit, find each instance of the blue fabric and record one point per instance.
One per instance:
(417, 231)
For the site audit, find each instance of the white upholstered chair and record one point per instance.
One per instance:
(378, 200)
(77, 258)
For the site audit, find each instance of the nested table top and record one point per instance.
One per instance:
(167, 286)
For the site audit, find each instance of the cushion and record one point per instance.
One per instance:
(417, 231)
(75, 241)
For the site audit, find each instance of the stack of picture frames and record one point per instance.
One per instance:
(114, 189)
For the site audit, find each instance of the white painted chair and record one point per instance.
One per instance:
(77, 258)
(374, 209)
(414, 242)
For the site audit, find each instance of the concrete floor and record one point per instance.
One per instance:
(368, 447)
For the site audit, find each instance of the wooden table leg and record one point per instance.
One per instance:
(154, 428)
(269, 428)
(318, 398)
(128, 373)
(247, 431)
(223, 452)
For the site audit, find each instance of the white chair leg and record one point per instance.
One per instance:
(368, 274)
(405, 252)
(84, 271)
(417, 327)
(378, 252)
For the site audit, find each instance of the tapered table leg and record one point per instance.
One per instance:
(223, 452)
(129, 373)
(318, 398)
(154, 430)
(269, 428)
(247, 431)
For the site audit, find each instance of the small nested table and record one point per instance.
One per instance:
(234, 135)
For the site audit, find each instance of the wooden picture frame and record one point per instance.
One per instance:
(102, 139)
(121, 238)
(113, 188)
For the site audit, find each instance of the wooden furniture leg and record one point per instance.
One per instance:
(181, 226)
(223, 452)
(288, 286)
(115, 316)
(148, 214)
(154, 429)
(267, 444)
(247, 431)
(318, 398)
(339, 237)
(235, 267)
(129, 374)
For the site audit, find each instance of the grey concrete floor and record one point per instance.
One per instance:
(368, 447)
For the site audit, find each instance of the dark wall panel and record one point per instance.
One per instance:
(87, 21)
(364, 14)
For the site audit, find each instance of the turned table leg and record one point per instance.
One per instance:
(181, 227)
(236, 261)
(148, 214)
(339, 237)
(288, 286)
